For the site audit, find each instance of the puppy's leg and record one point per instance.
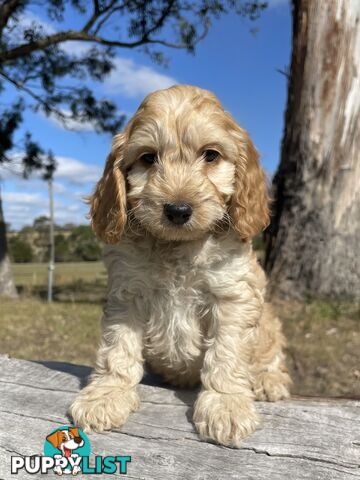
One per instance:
(109, 398)
(271, 379)
(224, 410)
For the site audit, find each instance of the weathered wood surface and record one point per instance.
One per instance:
(316, 439)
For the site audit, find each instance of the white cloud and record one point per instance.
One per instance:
(75, 171)
(59, 188)
(134, 80)
(23, 198)
(74, 208)
(22, 207)
(27, 20)
(68, 168)
(25, 215)
(69, 124)
(76, 47)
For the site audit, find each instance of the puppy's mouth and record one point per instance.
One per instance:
(67, 452)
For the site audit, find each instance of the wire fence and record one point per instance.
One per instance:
(32, 275)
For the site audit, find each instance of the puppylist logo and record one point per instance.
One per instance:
(67, 451)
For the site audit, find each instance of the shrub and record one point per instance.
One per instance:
(20, 251)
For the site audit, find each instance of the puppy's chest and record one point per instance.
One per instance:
(177, 289)
(176, 322)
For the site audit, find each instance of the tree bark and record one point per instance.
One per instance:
(7, 285)
(313, 243)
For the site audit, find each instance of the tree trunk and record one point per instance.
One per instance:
(313, 243)
(7, 285)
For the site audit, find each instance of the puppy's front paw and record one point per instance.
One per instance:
(99, 408)
(224, 418)
(272, 386)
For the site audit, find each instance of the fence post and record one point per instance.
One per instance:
(51, 242)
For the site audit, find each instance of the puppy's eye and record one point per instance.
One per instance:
(211, 155)
(149, 158)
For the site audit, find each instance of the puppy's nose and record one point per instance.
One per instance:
(77, 440)
(178, 213)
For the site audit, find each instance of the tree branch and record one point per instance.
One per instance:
(179, 45)
(286, 73)
(94, 17)
(161, 19)
(106, 18)
(6, 10)
(85, 35)
(70, 35)
(61, 37)
(36, 97)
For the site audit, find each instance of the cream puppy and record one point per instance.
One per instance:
(180, 199)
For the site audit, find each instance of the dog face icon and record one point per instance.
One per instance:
(68, 446)
(66, 441)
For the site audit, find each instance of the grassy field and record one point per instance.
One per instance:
(30, 275)
(323, 347)
(34, 330)
(73, 281)
(323, 337)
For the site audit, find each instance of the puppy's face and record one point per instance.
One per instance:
(179, 169)
(66, 440)
(182, 168)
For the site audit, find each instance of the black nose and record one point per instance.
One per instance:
(178, 213)
(77, 440)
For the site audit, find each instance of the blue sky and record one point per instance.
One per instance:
(238, 66)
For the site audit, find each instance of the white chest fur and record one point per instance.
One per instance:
(171, 289)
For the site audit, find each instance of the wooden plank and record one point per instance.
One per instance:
(315, 439)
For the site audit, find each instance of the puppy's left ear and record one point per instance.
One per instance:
(249, 208)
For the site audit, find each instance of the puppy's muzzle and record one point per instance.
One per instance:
(178, 213)
(78, 440)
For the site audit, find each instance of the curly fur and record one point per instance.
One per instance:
(188, 300)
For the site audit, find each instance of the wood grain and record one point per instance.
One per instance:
(315, 439)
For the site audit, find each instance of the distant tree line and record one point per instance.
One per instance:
(73, 243)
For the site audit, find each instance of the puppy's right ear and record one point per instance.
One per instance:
(108, 202)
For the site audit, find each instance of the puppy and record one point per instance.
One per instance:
(180, 199)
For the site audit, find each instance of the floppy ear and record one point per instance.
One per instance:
(249, 207)
(74, 431)
(108, 202)
(54, 439)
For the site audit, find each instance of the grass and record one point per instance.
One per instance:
(73, 281)
(35, 274)
(323, 336)
(323, 346)
(35, 330)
